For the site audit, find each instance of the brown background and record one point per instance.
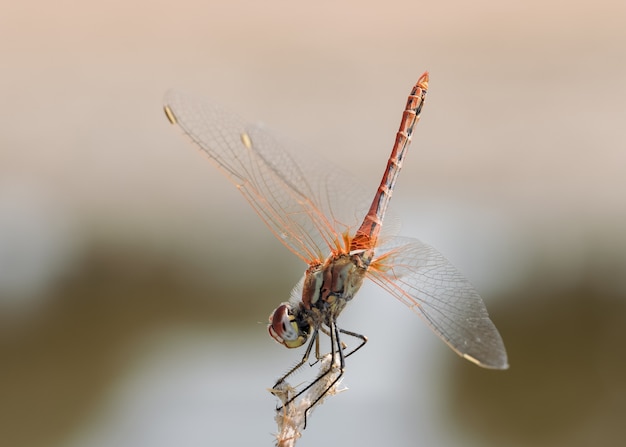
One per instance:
(133, 277)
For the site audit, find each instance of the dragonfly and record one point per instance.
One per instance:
(322, 215)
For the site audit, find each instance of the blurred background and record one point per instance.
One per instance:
(135, 282)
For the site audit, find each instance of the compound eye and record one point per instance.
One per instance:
(284, 328)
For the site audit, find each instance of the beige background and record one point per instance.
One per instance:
(133, 277)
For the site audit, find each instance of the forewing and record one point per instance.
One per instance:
(306, 203)
(432, 287)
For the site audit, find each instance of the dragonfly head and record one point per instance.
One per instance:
(288, 327)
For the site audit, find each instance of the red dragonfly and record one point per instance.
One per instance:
(315, 209)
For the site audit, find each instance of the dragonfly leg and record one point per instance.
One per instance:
(335, 342)
(305, 357)
(337, 347)
(361, 337)
(318, 356)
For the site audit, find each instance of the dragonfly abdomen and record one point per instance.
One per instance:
(367, 235)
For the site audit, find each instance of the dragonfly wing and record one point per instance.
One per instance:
(297, 197)
(432, 287)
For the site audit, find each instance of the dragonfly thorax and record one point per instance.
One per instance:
(326, 290)
(329, 286)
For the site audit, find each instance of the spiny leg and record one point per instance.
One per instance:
(305, 357)
(318, 356)
(363, 339)
(335, 347)
(334, 341)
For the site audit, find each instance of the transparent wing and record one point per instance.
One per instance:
(305, 202)
(429, 285)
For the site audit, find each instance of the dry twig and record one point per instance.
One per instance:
(291, 418)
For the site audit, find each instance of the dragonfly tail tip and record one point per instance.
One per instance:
(423, 81)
